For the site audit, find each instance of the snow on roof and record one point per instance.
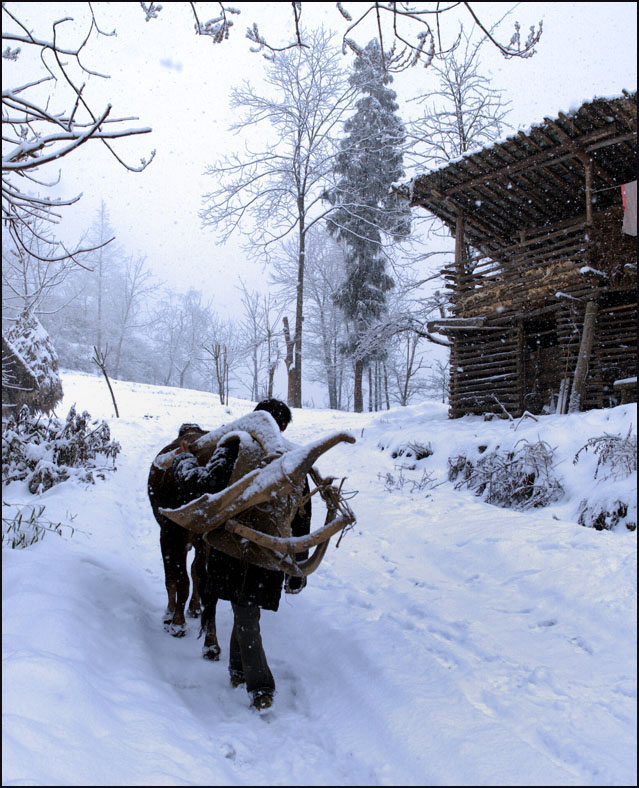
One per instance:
(527, 130)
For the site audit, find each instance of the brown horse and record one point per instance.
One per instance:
(175, 543)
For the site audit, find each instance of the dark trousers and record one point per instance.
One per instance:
(246, 655)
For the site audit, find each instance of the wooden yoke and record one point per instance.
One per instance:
(282, 476)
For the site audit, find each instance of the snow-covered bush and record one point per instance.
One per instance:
(520, 478)
(607, 513)
(613, 503)
(413, 451)
(45, 451)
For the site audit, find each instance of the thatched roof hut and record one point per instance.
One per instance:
(543, 284)
(29, 367)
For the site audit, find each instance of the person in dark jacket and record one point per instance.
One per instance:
(249, 588)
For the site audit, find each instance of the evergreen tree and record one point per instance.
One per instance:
(366, 212)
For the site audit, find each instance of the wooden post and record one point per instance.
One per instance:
(588, 168)
(583, 359)
(460, 269)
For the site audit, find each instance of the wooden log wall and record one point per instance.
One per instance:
(567, 259)
(486, 369)
(615, 350)
(535, 278)
(613, 252)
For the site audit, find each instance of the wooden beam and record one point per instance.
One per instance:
(588, 172)
(583, 358)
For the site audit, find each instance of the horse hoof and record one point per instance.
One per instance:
(177, 630)
(194, 613)
(211, 653)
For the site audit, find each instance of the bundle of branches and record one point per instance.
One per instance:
(521, 478)
(45, 451)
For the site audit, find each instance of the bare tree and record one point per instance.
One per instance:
(222, 354)
(136, 287)
(101, 263)
(405, 366)
(325, 324)
(462, 114)
(258, 334)
(28, 279)
(440, 378)
(34, 135)
(416, 30)
(181, 332)
(280, 187)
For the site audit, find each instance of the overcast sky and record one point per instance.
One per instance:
(178, 84)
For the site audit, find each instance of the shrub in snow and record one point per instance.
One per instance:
(29, 366)
(606, 514)
(44, 451)
(614, 503)
(521, 478)
(400, 481)
(22, 531)
(616, 456)
(411, 450)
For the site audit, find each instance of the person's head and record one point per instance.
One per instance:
(279, 410)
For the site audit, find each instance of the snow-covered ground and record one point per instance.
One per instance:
(445, 642)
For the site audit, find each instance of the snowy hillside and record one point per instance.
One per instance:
(445, 642)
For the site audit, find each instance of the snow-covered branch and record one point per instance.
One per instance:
(34, 135)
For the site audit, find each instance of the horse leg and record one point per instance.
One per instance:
(170, 577)
(174, 550)
(211, 648)
(195, 605)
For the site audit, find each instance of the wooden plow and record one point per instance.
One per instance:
(227, 518)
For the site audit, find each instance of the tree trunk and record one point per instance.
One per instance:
(271, 378)
(289, 362)
(99, 331)
(583, 359)
(183, 373)
(299, 308)
(358, 399)
(386, 387)
(329, 365)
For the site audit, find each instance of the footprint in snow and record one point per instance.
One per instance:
(579, 642)
(548, 622)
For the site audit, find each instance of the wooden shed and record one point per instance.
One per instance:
(543, 283)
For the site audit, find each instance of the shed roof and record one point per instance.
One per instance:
(536, 178)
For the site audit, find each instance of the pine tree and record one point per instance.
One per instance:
(366, 212)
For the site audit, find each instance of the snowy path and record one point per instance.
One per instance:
(445, 642)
